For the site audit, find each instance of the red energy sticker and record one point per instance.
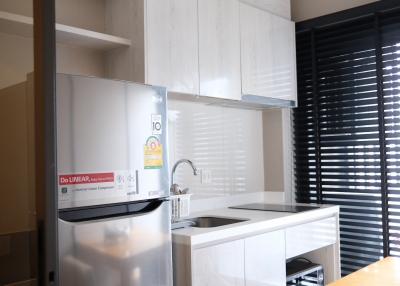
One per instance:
(77, 179)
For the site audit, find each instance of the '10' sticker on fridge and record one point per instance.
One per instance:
(156, 124)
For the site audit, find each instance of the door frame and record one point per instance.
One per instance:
(45, 140)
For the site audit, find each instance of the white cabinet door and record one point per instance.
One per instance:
(310, 236)
(219, 48)
(277, 7)
(268, 54)
(172, 45)
(219, 265)
(265, 260)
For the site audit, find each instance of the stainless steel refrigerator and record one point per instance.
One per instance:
(113, 187)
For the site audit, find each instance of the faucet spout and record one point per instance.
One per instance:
(187, 161)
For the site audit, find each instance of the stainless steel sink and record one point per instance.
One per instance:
(213, 221)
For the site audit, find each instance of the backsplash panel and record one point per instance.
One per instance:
(226, 143)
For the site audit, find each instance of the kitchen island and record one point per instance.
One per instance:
(255, 251)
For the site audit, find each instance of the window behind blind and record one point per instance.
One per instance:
(347, 131)
(390, 61)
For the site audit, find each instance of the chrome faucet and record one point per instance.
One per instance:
(175, 189)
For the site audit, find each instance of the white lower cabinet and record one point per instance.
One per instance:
(310, 236)
(259, 260)
(221, 265)
(254, 261)
(265, 261)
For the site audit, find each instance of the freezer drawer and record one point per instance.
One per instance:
(134, 249)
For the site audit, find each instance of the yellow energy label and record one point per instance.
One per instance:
(153, 153)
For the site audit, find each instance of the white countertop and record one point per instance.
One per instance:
(257, 222)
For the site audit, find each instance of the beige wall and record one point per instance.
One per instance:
(66, 12)
(16, 150)
(278, 157)
(16, 59)
(308, 9)
(273, 150)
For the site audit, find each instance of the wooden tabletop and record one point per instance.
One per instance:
(382, 273)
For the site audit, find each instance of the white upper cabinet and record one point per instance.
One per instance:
(277, 7)
(172, 45)
(268, 54)
(213, 48)
(219, 48)
(165, 45)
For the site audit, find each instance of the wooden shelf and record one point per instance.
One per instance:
(23, 26)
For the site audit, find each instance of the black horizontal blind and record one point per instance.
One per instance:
(304, 123)
(347, 131)
(390, 49)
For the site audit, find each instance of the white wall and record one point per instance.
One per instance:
(225, 141)
(308, 9)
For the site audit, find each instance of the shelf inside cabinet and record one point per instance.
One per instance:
(23, 26)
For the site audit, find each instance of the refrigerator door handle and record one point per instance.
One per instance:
(137, 181)
(110, 212)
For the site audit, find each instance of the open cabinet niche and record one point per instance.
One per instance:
(85, 44)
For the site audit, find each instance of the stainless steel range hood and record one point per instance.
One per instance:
(253, 102)
(267, 102)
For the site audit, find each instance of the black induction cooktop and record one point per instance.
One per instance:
(276, 208)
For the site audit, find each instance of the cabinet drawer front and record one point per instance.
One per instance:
(310, 236)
